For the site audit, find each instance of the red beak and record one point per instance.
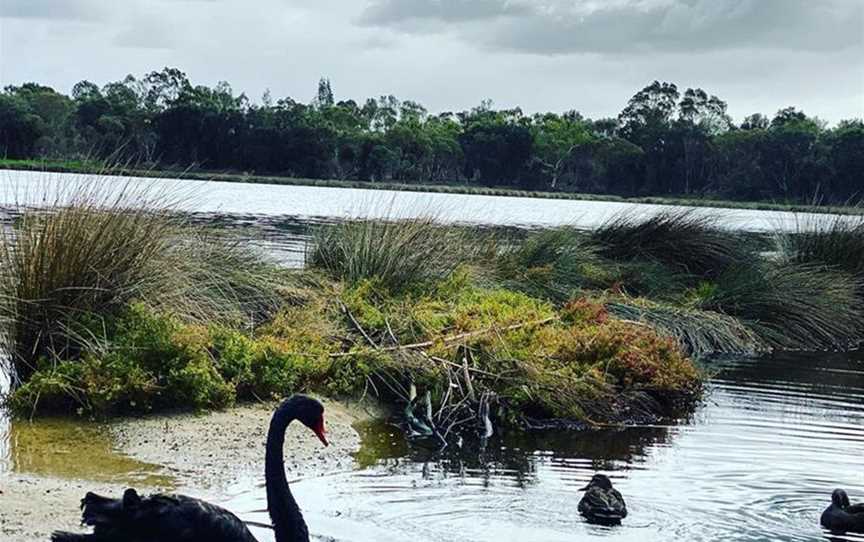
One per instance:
(321, 433)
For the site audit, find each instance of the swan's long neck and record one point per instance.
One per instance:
(288, 522)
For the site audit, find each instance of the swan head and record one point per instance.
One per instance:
(840, 499)
(600, 481)
(309, 411)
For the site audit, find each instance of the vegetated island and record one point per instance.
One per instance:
(118, 304)
(666, 145)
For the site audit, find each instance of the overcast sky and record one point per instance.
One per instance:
(544, 55)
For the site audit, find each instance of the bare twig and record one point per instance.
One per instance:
(447, 340)
(357, 325)
(467, 376)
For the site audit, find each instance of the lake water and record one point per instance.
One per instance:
(278, 218)
(317, 203)
(756, 461)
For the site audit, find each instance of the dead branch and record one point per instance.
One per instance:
(445, 340)
(357, 325)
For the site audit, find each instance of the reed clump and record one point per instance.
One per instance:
(395, 252)
(93, 248)
(690, 242)
(836, 242)
(792, 306)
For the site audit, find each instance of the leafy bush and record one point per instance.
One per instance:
(150, 362)
(147, 360)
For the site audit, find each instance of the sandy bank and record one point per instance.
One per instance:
(203, 454)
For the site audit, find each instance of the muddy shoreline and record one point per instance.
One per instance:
(200, 455)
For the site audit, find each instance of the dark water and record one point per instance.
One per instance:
(755, 462)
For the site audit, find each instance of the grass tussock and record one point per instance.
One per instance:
(554, 263)
(793, 306)
(689, 242)
(395, 253)
(96, 249)
(699, 332)
(836, 242)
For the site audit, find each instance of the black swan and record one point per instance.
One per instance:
(602, 503)
(843, 517)
(177, 518)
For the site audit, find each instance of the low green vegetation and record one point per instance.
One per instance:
(598, 327)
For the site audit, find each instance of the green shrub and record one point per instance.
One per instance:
(573, 362)
(146, 360)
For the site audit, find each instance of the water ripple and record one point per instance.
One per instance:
(756, 462)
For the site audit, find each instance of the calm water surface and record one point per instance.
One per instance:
(279, 218)
(339, 203)
(756, 462)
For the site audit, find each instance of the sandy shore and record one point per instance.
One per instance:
(203, 454)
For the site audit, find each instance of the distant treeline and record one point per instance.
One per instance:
(664, 142)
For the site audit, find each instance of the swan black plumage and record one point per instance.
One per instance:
(178, 518)
(843, 517)
(602, 503)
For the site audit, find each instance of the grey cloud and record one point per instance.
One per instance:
(401, 12)
(625, 26)
(148, 35)
(759, 55)
(52, 9)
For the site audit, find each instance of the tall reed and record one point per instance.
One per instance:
(90, 248)
(396, 253)
(833, 241)
(689, 241)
